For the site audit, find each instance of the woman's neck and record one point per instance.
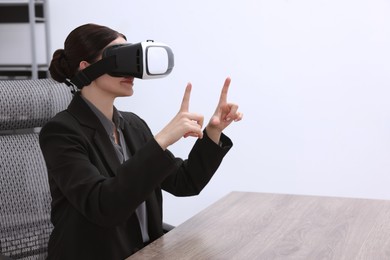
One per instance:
(101, 101)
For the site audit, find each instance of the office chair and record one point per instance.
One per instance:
(25, 106)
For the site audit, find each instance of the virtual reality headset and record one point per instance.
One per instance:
(144, 60)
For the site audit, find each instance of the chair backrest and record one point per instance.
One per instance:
(25, 106)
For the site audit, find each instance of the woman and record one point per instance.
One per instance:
(106, 169)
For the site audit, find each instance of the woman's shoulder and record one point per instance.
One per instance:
(63, 117)
(129, 115)
(62, 121)
(134, 120)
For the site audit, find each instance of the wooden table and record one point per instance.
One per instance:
(248, 225)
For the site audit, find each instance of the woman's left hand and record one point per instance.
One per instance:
(224, 115)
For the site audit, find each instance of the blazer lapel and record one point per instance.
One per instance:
(107, 151)
(133, 137)
(95, 132)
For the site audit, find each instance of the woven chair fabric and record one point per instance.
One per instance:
(30, 103)
(26, 105)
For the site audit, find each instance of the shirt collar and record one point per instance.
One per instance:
(108, 125)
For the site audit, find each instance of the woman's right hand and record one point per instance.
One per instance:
(184, 124)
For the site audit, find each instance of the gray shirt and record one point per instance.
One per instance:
(123, 154)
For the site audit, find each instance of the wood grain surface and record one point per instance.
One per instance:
(249, 225)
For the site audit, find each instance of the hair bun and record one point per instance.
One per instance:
(59, 68)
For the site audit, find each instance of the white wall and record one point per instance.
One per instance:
(15, 45)
(312, 78)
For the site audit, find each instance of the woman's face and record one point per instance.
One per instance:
(115, 86)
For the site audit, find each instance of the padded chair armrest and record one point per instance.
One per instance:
(167, 227)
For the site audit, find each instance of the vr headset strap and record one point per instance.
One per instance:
(92, 72)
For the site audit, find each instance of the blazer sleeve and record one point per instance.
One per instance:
(193, 174)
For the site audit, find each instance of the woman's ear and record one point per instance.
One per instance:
(83, 64)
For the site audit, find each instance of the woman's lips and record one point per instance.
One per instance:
(128, 81)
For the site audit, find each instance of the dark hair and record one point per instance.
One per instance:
(85, 43)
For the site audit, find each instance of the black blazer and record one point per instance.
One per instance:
(94, 197)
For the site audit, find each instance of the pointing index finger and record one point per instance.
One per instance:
(224, 92)
(185, 104)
